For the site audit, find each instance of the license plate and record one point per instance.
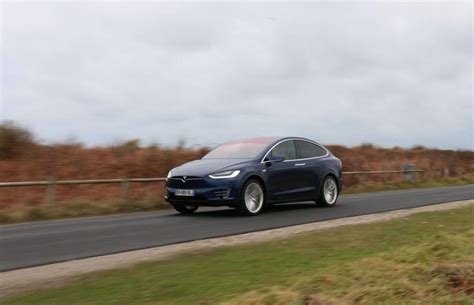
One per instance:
(184, 192)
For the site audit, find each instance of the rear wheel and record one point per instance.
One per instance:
(328, 193)
(252, 199)
(185, 208)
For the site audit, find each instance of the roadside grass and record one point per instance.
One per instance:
(371, 186)
(426, 258)
(17, 213)
(25, 213)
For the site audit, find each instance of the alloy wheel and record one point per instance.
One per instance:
(330, 191)
(253, 197)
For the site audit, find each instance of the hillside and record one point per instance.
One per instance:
(22, 159)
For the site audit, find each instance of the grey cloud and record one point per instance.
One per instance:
(388, 73)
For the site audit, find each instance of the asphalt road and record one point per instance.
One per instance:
(32, 244)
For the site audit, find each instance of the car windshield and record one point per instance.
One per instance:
(242, 149)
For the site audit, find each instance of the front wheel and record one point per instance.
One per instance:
(252, 199)
(328, 193)
(184, 208)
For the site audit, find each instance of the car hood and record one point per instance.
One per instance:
(205, 167)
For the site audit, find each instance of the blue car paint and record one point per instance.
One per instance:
(282, 181)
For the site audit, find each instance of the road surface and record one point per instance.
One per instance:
(33, 244)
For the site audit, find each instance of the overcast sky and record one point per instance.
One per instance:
(387, 73)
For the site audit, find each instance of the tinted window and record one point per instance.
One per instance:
(242, 149)
(309, 150)
(285, 149)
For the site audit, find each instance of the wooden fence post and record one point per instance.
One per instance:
(50, 192)
(446, 172)
(125, 183)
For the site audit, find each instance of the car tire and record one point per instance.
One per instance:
(184, 208)
(252, 199)
(328, 193)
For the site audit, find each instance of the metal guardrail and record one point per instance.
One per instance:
(51, 184)
(131, 180)
(75, 182)
(384, 172)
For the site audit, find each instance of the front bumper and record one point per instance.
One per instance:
(207, 191)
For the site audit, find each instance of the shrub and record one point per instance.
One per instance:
(14, 140)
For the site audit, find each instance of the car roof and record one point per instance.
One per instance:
(268, 140)
(271, 140)
(279, 139)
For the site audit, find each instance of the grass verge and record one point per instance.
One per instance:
(370, 186)
(427, 258)
(25, 213)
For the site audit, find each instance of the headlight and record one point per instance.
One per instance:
(226, 174)
(169, 175)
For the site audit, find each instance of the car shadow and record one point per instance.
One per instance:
(230, 212)
(292, 206)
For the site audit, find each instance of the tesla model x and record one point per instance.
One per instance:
(252, 174)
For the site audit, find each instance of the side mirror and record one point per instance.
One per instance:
(277, 158)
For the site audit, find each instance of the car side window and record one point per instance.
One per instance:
(309, 150)
(285, 149)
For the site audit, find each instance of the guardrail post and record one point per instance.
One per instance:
(446, 172)
(50, 192)
(125, 183)
(407, 172)
(385, 177)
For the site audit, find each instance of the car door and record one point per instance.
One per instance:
(285, 178)
(312, 156)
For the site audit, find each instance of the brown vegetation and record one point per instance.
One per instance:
(22, 159)
(460, 278)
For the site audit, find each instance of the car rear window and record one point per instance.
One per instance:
(309, 150)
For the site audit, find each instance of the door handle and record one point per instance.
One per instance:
(300, 164)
